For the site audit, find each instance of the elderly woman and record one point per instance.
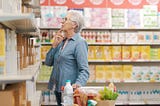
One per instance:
(68, 55)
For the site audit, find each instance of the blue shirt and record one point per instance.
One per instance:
(71, 63)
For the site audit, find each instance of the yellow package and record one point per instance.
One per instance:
(2, 42)
(92, 76)
(108, 72)
(107, 53)
(91, 53)
(117, 72)
(127, 72)
(126, 52)
(158, 54)
(145, 52)
(2, 67)
(135, 52)
(100, 73)
(44, 50)
(116, 52)
(99, 53)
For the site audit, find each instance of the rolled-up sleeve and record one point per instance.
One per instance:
(81, 55)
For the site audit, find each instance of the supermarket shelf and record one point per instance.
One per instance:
(124, 44)
(119, 29)
(129, 103)
(156, 102)
(122, 81)
(46, 43)
(111, 44)
(49, 103)
(151, 102)
(48, 28)
(29, 73)
(120, 103)
(115, 81)
(43, 81)
(19, 22)
(124, 61)
(37, 45)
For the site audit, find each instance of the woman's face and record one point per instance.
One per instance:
(67, 24)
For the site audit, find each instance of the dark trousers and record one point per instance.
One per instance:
(58, 98)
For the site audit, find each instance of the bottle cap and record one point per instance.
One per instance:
(68, 80)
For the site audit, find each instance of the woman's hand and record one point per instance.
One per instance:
(75, 86)
(58, 38)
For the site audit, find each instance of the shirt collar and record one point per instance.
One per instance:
(74, 37)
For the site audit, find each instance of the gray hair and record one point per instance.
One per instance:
(77, 18)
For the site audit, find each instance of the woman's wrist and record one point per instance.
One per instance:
(54, 45)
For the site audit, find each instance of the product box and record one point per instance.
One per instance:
(145, 52)
(127, 72)
(150, 21)
(154, 73)
(91, 53)
(2, 42)
(13, 95)
(100, 73)
(126, 52)
(141, 37)
(99, 53)
(134, 18)
(137, 73)
(156, 37)
(44, 50)
(150, 10)
(135, 52)
(2, 65)
(108, 72)
(107, 53)
(97, 17)
(7, 98)
(155, 54)
(146, 73)
(92, 76)
(121, 38)
(131, 38)
(114, 37)
(118, 22)
(148, 37)
(116, 52)
(117, 72)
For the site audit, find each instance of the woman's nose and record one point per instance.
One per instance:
(60, 20)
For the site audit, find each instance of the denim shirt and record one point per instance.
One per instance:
(71, 63)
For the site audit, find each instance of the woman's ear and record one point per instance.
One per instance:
(74, 25)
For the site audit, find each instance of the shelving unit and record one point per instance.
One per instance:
(27, 74)
(22, 23)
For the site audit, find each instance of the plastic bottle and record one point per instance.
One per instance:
(68, 94)
(111, 86)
